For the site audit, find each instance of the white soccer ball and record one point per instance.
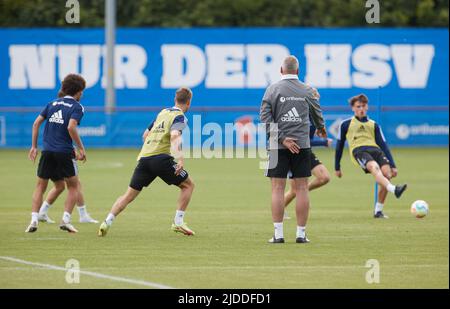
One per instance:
(420, 209)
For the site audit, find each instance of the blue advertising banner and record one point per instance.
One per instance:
(228, 70)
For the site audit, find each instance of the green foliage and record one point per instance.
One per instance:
(227, 13)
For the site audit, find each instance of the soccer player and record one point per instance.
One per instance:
(369, 149)
(57, 160)
(161, 139)
(318, 169)
(54, 193)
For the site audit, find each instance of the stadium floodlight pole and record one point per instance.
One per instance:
(110, 33)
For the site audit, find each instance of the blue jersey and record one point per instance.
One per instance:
(58, 114)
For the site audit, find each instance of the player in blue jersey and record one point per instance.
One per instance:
(58, 158)
(53, 194)
(318, 169)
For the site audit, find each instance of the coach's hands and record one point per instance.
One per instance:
(394, 172)
(81, 155)
(32, 154)
(338, 173)
(321, 132)
(290, 144)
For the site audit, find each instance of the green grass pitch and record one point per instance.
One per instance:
(230, 212)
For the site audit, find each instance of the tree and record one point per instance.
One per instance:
(227, 13)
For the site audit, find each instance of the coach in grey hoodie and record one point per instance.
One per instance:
(287, 106)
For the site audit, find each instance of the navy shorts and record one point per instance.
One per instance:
(367, 154)
(57, 165)
(162, 166)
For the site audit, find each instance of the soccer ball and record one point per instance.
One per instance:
(419, 209)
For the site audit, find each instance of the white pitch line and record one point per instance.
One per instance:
(89, 273)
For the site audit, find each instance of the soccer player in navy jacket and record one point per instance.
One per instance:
(58, 158)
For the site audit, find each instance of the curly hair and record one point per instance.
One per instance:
(72, 84)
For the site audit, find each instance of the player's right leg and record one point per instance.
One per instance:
(41, 186)
(301, 170)
(382, 194)
(373, 167)
(52, 195)
(301, 208)
(142, 177)
(121, 203)
(186, 190)
(288, 197)
(68, 169)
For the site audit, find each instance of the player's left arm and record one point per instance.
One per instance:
(75, 120)
(144, 135)
(343, 129)
(179, 123)
(176, 150)
(381, 141)
(73, 132)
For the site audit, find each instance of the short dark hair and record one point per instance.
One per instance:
(360, 97)
(183, 95)
(72, 84)
(61, 94)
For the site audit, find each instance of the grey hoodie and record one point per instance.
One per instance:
(289, 103)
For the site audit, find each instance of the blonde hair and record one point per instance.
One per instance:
(183, 95)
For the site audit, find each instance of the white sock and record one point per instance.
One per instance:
(278, 229)
(378, 207)
(66, 217)
(34, 217)
(110, 218)
(301, 231)
(391, 188)
(179, 215)
(44, 208)
(82, 210)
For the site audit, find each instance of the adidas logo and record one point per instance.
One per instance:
(57, 117)
(291, 116)
(159, 128)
